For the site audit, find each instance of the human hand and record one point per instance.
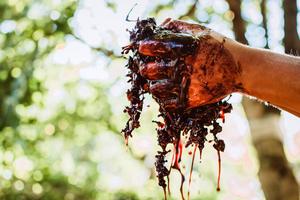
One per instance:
(214, 73)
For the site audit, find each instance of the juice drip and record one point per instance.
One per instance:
(178, 154)
(219, 171)
(165, 194)
(181, 185)
(180, 150)
(168, 183)
(191, 171)
(175, 165)
(168, 177)
(200, 154)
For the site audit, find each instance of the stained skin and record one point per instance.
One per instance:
(214, 73)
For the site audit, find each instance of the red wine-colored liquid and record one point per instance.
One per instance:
(191, 170)
(219, 171)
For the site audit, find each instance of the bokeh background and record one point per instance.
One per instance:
(62, 95)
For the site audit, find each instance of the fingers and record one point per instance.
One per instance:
(166, 92)
(169, 45)
(157, 70)
(163, 89)
(154, 48)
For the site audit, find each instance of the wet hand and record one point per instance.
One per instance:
(212, 70)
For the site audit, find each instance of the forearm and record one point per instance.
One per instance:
(271, 77)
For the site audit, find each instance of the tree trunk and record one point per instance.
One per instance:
(264, 22)
(275, 175)
(291, 38)
(239, 27)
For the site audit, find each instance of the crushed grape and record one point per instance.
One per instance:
(178, 121)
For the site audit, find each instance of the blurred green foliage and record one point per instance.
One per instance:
(30, 30)
(27, 37)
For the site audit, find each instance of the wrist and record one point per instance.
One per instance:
(240, 55)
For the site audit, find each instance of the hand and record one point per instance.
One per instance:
(214, 71)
